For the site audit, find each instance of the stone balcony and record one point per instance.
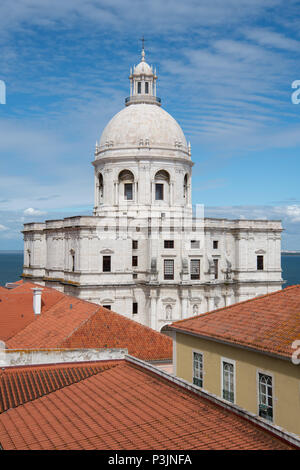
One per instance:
(142, 99)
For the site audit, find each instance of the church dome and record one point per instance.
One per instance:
(143, 124)
(143, 68)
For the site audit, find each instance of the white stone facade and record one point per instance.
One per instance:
(143, 253)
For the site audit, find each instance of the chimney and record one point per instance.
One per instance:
(37, 300)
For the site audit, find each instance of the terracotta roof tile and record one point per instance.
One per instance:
(127, 407)
(16, 307)
(268, 323)
(75, 323)
(21, 384)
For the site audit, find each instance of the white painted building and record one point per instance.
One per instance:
(143, 253)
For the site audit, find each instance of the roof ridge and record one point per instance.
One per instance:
(82, 323)
(253, 299)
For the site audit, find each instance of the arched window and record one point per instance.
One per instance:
(126, 178)
(100, 183)
(146, 88)
(29, 258)
(72, 254)
(139, 87)
(185, 187)
(162, 178)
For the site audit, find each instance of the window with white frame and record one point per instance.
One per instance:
(198, 369)
(195, 244)
(168, 269)
(228, 381)
(265, 396)
(195, 269)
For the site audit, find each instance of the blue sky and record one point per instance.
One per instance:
(225, 73)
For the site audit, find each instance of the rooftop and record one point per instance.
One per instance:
(69, 322)
(123, 407)
(268, 324)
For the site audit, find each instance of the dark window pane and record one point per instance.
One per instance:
(106, 264)
(216, 263)
(139, 87)
(128, 191)
(159, 192)
(168, 243)
(195, 244)
(107, 306)
(134, 261)
(260, 263)
(215, 244)
(134, 307)
(134, 244)
(146, 87)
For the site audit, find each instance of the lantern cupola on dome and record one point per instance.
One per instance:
(142, 84)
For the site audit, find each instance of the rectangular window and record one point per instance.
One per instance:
(107, 306)
(195, 269)
(128, 191)
(228, 381)
(260, 262)
(134, 261)
(134, 244)
(168, 243)
(106, 264)
(159, 192)
(215, 244)
(198, 369)
(195, 244)
(134, 308)
(168, 269)
(216, 263)
(139, 87)
(146, 87)
(265, 396)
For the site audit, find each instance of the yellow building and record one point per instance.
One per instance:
(247, 354)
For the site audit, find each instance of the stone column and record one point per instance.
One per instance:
(211, 303)
(184, 306)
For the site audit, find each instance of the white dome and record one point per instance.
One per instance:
(146, 122)
(143, 68)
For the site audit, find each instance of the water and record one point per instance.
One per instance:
(11, 263)
(290, 269)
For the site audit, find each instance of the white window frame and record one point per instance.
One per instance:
(199, 265)
(202, 354)
(274, 399)
(233, 362)
(168, 259)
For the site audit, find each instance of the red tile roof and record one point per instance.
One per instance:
(16, 307)
(75, 323)
(21, 384)
(269, 323)
(128, 408)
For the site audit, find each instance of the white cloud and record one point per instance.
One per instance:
(3, 228)
(292, 212)
(32, 212)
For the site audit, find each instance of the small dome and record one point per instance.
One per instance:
(143, 68)
(143, 123)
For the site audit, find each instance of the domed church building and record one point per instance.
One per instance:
(145, 253)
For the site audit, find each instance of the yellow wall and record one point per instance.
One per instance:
(286, 377)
